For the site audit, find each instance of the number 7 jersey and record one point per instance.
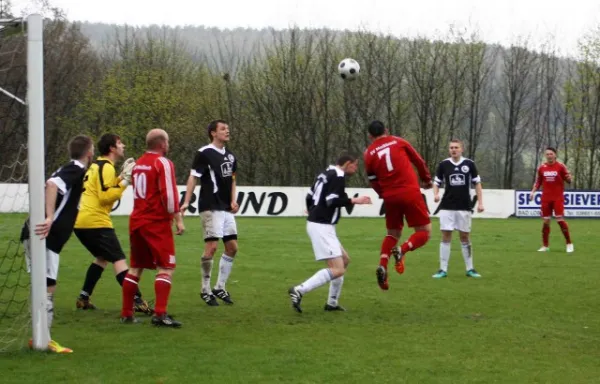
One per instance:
(388, 162)
(155, 195)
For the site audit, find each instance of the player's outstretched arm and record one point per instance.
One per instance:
(337, 196)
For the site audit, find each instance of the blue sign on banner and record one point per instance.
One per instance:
(577, 204)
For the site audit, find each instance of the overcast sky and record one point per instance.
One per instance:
(498, 21)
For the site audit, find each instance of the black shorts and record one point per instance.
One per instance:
(101, 242)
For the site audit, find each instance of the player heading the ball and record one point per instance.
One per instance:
(388, 162)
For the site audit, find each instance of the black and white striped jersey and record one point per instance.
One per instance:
(457, 179)
(216, 170)
(69, 180)
(327, 196)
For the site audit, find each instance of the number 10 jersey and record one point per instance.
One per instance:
(155, 195)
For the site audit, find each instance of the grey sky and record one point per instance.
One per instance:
(498, 21)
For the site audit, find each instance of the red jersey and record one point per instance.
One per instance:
(388, 162)
(155, 195)
(552, 177)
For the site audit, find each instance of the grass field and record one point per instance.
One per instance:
(532, 318)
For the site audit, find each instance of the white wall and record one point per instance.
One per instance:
(290, 201)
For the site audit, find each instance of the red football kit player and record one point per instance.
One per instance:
(388, 162)
(551, 177)
(155, 205)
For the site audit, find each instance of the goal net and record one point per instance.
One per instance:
(21, 186)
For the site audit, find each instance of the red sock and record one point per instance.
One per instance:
(130, 288)
(415, 241)
(389, 242)
(565, 231)
(162, 288)
(545, 234)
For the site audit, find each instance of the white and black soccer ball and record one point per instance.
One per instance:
(349, 69)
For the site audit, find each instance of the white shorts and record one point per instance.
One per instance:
(218, 224)
(455, 220)
(324, 240)
(52, 260)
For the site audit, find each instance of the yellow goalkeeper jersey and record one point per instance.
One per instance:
(101, 190)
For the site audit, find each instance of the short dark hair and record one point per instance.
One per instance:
(551, 149)
(376, 128)
(212, 126)
(106, 142)
(79, 145)
(345, 157)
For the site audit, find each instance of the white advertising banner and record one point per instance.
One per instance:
(278, 202)
(577, 204)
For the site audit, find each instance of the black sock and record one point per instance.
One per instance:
(121, 276)
(92, 276)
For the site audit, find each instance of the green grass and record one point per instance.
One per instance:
(532, 318)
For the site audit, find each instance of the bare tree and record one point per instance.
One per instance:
(587, 102)
(428, 86)
(480, 60)
(515, 104)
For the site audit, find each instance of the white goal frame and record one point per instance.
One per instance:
(36, 167)
(37, 178)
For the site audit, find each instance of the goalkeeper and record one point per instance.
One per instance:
(94, 227)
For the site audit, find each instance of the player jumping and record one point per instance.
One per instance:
(388, 162)
(155, 206)
(215, 166)
(94, 227)
(551, 177)
(457, 174)
(324, 203)
(63, 191)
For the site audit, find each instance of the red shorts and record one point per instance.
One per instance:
(410, 206)
(152, 246)
(557, 205)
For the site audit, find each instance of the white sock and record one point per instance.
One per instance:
(207, 264)
(335, 290)
(322, 277)
(225, 265)
(467, 255)
(50, 309)
(444, 256)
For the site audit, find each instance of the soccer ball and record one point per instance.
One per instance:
(349, 69)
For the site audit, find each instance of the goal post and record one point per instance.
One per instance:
(36, 178)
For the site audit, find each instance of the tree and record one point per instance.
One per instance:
(515, 104)
(586, 108)
(480, 60)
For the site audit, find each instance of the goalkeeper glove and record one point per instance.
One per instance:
(126, 171)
